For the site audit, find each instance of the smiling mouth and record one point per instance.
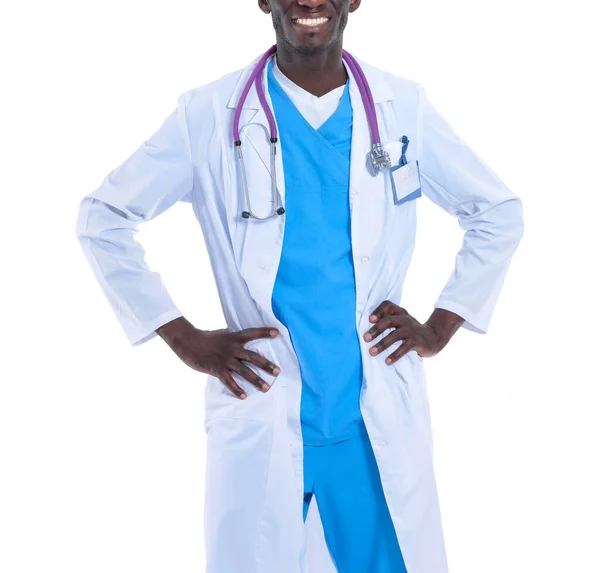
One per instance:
(311, 22)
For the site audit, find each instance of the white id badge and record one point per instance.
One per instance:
(406, 182)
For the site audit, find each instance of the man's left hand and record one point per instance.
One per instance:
(426, 339)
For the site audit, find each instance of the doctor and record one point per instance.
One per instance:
(304, 170)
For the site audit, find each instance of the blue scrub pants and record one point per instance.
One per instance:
(358, 528)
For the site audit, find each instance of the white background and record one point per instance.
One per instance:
(102, 446)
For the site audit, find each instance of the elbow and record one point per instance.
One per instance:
(81, 220)
(517, 224)
(507, 221)
(512, 226)
(96, 217)
(501, 226)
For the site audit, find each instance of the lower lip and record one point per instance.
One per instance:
(314, 27)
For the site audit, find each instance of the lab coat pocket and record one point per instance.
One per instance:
(401, 184)
(237, 468)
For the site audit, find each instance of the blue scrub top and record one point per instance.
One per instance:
(314, 294)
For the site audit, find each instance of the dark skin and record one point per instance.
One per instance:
(311, 56)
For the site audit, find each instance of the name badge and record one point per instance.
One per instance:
(406, 182)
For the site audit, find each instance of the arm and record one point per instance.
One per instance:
(157, 175)
(457, 180)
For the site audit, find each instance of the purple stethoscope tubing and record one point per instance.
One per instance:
(256, 79)
(252, 79)
(367, 96)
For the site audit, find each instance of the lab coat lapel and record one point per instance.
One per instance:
(257, 243)
(366, 220)
(361, 140)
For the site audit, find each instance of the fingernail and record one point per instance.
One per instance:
(265, 387)
(276, 371)
(372, 317)
(388, 360)
(367, 337)
(243, 396)
(274, 332)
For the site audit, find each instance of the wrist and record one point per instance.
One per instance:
(175, 330)
(444, 325)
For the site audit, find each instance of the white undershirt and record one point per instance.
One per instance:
(316, 110)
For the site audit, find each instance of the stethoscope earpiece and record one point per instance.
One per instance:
(247, 215)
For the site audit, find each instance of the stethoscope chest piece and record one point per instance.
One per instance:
(380, 159)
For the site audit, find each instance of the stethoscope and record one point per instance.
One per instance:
(380, 158)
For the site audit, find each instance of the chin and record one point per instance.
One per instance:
(311, 42)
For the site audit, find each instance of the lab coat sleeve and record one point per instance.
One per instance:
(456, 179)
(157, 175)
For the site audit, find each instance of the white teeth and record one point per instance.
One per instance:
(312, 21)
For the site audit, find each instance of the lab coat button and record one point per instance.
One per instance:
(365, 259)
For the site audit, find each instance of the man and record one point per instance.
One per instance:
(316, 389)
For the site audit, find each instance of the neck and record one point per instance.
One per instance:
(317, 73)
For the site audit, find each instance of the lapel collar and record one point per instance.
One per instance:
(380, 88)
(252, 101)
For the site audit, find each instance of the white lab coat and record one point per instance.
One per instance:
(254, 481)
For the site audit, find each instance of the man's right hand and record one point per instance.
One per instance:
(220, 352)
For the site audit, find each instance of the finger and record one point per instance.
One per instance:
(382, 324)
(249, 334)
(259, 360)
(248, 374)
(233, 386)
(385, 322)
(379, 311)
(386, 307)
(396, 335)
(403, 349)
